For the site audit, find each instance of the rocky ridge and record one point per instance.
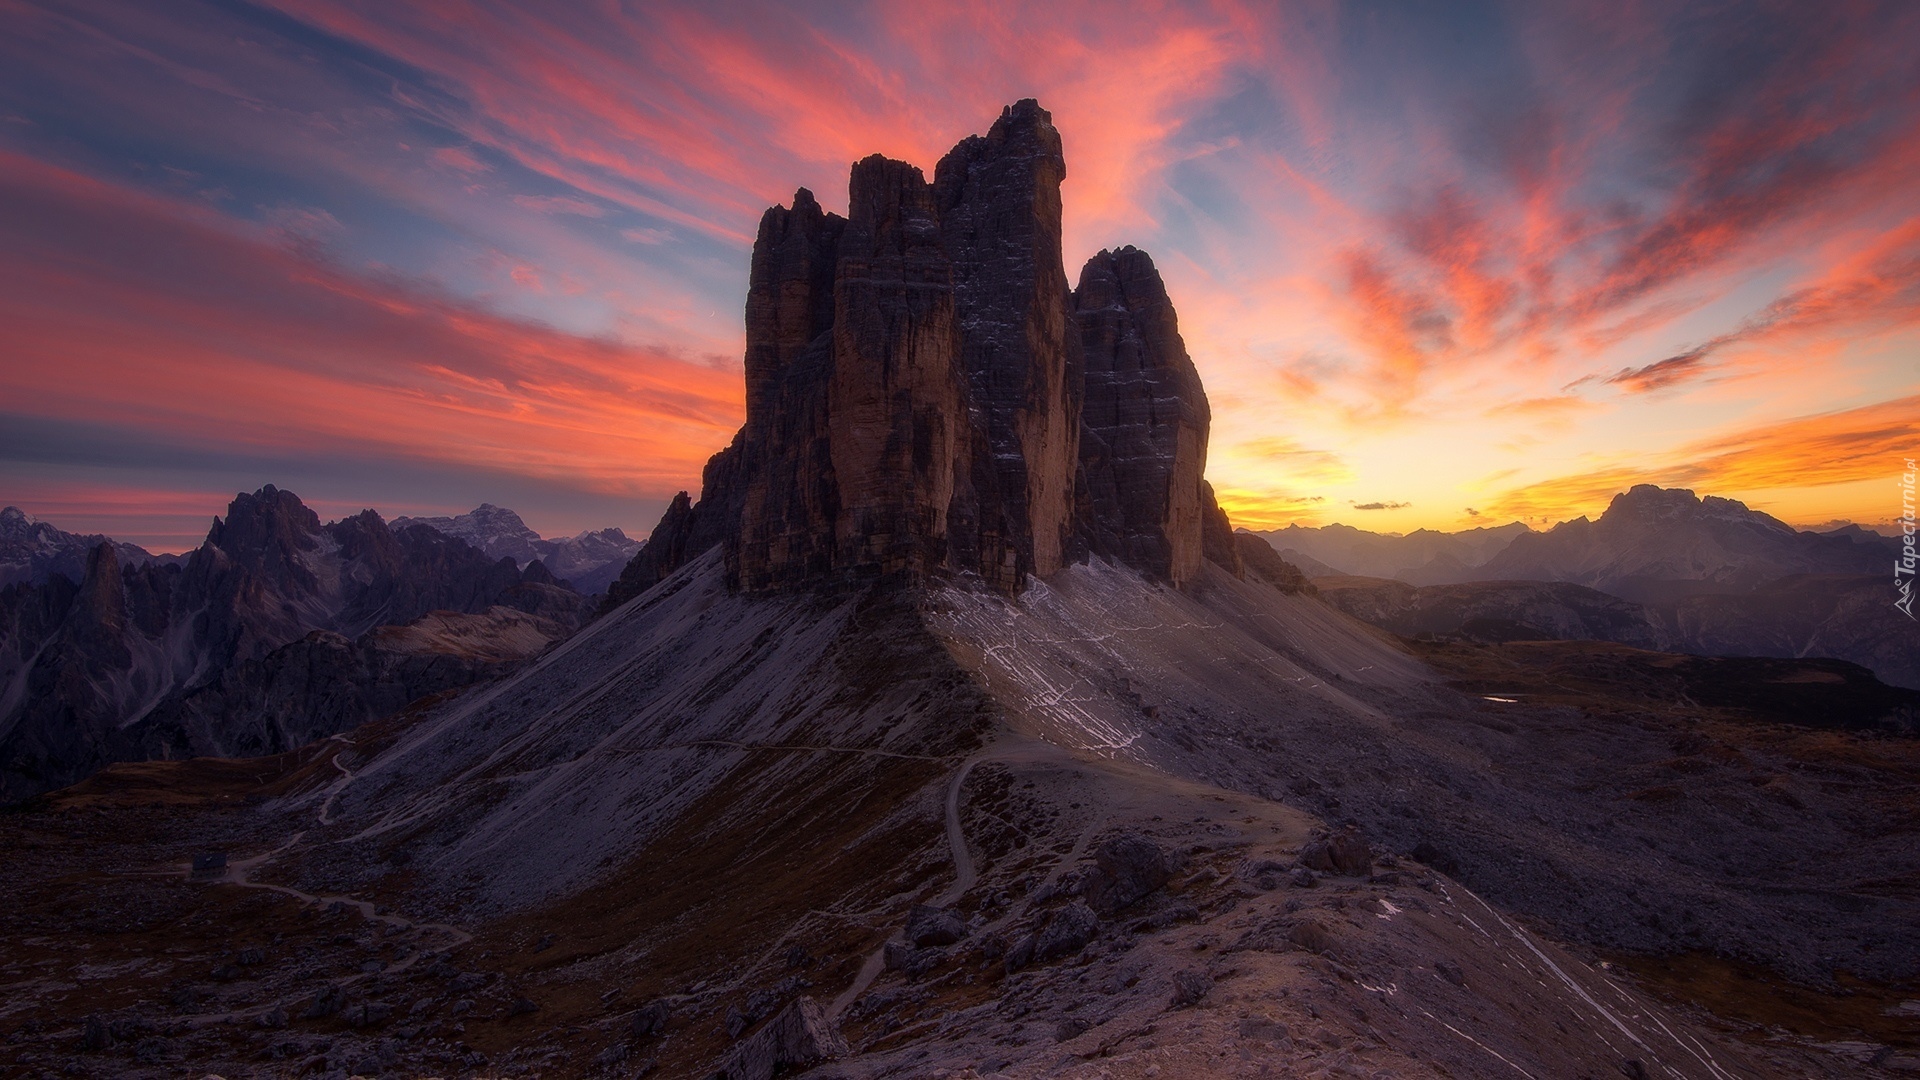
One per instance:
(32, 551)
(1421, 557)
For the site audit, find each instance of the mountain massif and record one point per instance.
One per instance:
(1421, 557)
(925, 394)
(264, 638)
(1654, 543)
(952, 732)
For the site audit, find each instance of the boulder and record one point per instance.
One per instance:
(650, 1020)
(1189, 987)
(1070, 930)
(798, 1038)
(1311, 936)
(929, 926)
(368, 1014)
(327, 1002)
(1126, 869)
(1345, 852)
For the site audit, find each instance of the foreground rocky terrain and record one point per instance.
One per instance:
(952, 732)
(865, 837)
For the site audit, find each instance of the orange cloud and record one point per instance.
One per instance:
(128, 310)
(1542, 408)
(1876, 289)
(1865, 443)
(1293, 462)
(1268, 508)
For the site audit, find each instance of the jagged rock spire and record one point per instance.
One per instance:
(1143, 444)
(918, 401)
(1000, 211)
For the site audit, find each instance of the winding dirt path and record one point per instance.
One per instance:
(421, 937)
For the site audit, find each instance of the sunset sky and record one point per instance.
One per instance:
(1439, 264)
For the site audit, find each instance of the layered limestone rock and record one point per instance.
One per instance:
(1143, 444)
(917, 396)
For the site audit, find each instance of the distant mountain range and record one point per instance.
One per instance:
(1661, 568)
(1653, 543)
(276, 631)
(589, 561)
(1421, 557)
(32, 551)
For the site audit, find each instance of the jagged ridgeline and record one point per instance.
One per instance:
(926, 394)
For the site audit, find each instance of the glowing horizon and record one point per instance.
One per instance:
(1493, 265)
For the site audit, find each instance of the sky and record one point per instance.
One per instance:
(1439, 265)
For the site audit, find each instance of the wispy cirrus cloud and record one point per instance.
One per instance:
(128, 309)
(1842, 447)
(1875, 289)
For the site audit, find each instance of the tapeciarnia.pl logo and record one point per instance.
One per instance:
(1904, 564)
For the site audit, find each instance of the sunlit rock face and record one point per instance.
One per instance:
(919, 401)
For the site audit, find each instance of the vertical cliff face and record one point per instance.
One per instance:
(788, 498)
(999, 198)
(917, 395)
(897, 406)
(1143, 445)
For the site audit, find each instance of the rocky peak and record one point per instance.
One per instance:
(495, 530)
(1143, 441)
(789, 291)
(896, 407)
(102, 602)
(916, 391)
(266, 532)
(1649, 504)
(1651, 537)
